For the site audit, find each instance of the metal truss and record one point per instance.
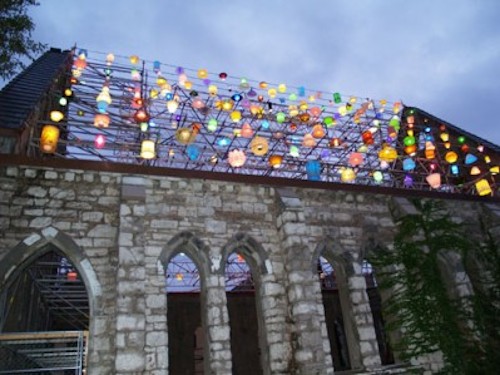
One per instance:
(200, 121)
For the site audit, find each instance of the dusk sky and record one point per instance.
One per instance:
(441, 56)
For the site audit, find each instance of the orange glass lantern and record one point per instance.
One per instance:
(246, 131)
(275, 161)
(367, 137)
(355, 159)
(411, 150)
(101, 120)
(259, 146)
(49, 139)
(430, 150)
(451, 157)
(318, 131)
(335, 142)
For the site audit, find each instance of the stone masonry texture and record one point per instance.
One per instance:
(121, 230)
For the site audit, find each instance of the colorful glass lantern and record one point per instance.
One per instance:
(483, 187)
(470, 159)
(430, 150)
(308, 140)
(259, 146)
(318, 131)
(101, 120)
(280, 117)
(56, 116)
(236, 158)
(71, 275)
(184, 136)
(434, 180)
(148, 149)
(235, 116)
(355, 159)
(193, 152)
(134, 59)
(294, 151)
(451, 157)
(275, 161)
(367, 137)
(141, 116)
(313, 170)
(347, 175)
(49, 139)
(212, 125)
(474, 171)
(411, 150)
(378, 177)
(388, 154)
(246, 130)
(172, 106)
(202, 73)
(408, 164)
(100, 141)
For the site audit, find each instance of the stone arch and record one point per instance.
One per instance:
(259, 264)
(192, 246)
(343, 264)
(39, 243)
(252, 251)
(198, 252)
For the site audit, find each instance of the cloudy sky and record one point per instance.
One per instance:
(439, 55)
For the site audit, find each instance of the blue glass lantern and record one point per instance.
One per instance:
(193, 152)
(313, 170)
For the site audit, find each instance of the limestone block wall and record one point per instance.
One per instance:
(122, 230)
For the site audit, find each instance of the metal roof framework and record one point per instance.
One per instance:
(200, 121)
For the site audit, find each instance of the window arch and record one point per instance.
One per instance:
(333, 314)
(62, 291)
(245, 262)
(185, 262)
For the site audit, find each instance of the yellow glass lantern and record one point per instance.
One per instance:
(212, 90)
(184, 136)
(202, 73)
(281, 88)
(56, 116)
(235, 116)
(451, 157)
(388, 154)
(430, 150)
(474, 171)
(483, 187)
(49, 139)
(259, 146)
(172, 106)
(148, 149)
(134, 59)
(495, 170)
(347, 175)
(275, 161)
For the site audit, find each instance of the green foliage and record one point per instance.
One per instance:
(16, 43)
(420, 305)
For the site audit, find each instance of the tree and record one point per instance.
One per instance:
(16, 43)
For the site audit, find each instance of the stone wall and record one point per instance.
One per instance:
(121, 231)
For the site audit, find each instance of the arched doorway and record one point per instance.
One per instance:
(333, 314)
(45, 314)
(185, 333)
(243, 320)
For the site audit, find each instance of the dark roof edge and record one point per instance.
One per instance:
(457, 129)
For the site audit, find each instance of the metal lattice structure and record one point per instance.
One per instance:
(127, 110)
